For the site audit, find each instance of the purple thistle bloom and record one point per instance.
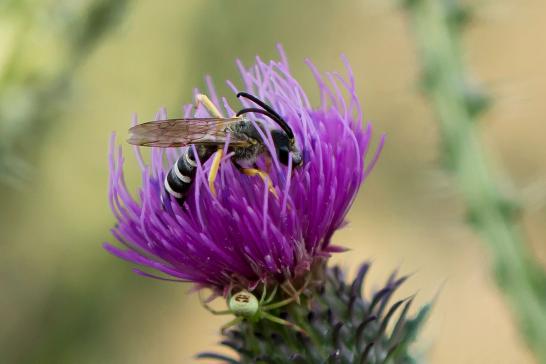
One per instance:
(246, 235)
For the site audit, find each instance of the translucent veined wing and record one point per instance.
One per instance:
(182, 132)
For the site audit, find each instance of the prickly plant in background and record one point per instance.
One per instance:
(492, 213)
(33, 87)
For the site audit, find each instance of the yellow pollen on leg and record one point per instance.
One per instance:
(264, 176)
(205, 101)
(214, 170)
(213, 110)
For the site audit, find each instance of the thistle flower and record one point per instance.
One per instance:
(258, 235)
(246, 235)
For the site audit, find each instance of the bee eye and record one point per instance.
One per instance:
(283, 155)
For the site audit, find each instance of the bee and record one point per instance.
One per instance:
(209, 136)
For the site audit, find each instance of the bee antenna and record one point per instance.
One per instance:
(270, 112)
(257, 111)
(258, 102)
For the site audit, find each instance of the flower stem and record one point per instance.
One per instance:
(437, 26)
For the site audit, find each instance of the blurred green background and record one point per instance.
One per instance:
(73, 72)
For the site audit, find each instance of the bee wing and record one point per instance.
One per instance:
(182, 132)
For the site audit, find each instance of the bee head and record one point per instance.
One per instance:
(284, 140)
(284, 146)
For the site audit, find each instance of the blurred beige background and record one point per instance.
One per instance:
(64, 300)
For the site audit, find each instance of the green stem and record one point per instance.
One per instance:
(300, 319)
(490, 212)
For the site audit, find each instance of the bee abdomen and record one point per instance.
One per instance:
(179, 179)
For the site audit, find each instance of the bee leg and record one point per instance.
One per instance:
(263, 175)
(202, 99)
(214, 170)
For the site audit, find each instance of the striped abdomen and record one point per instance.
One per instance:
(179, 179)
